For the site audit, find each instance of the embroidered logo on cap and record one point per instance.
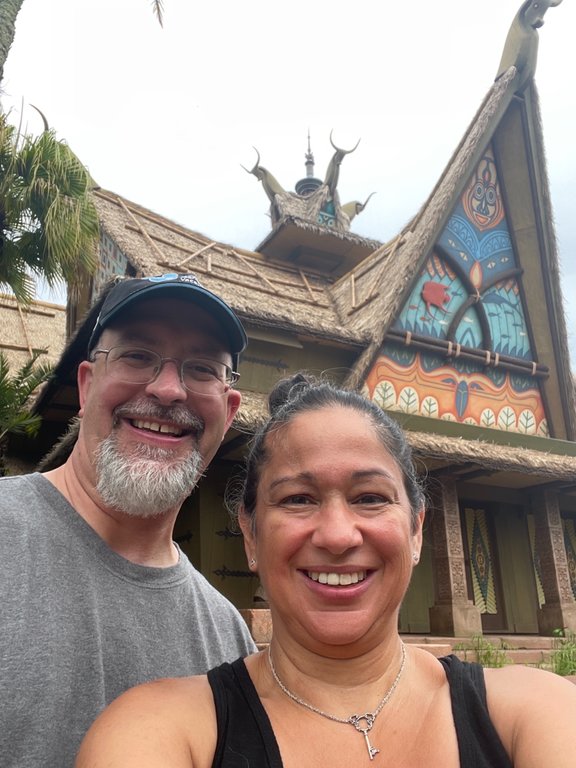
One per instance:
(173, 276)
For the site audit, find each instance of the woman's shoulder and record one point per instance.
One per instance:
(520, 680)
(534, 713)
(170, 691)
(153, 724)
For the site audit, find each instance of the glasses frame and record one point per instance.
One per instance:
(232, 376)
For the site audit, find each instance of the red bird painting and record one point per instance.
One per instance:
(435, 295)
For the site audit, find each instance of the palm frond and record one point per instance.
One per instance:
(158, 9)
(48, 220)
(15, 392)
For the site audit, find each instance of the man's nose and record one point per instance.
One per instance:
(167, 387)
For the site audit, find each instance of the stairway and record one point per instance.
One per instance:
(534, 650)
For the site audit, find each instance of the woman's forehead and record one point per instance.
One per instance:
(327, 425)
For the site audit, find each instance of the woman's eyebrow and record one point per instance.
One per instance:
(299, 477)
(361, 474)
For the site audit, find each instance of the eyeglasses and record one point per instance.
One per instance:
(136, 365)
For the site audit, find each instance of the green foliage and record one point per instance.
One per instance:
(564, 652)
(48, 220)
(484, 652)
(15, 392)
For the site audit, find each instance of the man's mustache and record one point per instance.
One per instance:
(175, 414)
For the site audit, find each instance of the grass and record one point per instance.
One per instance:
(484, 652)
(563, 657)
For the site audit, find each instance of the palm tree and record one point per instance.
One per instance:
(8, 11)
(48, 221)
(15, 393)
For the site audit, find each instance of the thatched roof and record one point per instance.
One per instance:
(263, 292)
(37, 327)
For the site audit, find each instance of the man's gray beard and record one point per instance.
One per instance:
(146, 483)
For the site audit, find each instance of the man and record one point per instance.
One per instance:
(95, 596)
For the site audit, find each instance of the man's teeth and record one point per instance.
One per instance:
(337, 579)
(153, 426)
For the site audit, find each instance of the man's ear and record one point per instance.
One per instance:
(84, 380)
(233, 403)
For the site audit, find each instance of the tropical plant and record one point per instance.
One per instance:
(15, 393)
(563, 657)
(48, 220)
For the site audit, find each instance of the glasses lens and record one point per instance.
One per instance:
(200, 375)
(132, 364)
(141, 366)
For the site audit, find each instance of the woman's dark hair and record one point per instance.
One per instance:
(301, 393)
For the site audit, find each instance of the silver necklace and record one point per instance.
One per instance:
(356, 720)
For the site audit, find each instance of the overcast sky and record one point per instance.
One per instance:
(166, 117)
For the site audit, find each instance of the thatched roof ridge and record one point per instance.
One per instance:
(317, 229)
(490, 456)
(259, 289)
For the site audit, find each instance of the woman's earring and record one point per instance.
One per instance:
(252, 562)
(415, 557)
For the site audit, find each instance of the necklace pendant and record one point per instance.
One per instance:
(368, 718)
(371, 750)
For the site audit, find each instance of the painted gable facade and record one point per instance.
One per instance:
(460, 348)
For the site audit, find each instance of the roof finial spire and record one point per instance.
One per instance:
(309, 159)
(521, 46)
(309, 184)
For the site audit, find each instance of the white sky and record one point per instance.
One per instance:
(166, 116)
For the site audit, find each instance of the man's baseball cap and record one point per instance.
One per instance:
(172, 285)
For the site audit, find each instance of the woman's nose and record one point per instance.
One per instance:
(336, 527)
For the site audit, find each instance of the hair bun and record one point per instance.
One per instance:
(288, 389)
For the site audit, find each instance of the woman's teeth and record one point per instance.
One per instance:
(337, 579)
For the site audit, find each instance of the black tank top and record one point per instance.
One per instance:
(246, 738)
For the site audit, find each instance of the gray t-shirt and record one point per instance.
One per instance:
(79, 625)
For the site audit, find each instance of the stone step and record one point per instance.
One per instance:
(492, 650)
(520, 642)
(533, 657)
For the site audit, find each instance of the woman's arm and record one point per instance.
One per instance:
(534, 713)
(164, 724)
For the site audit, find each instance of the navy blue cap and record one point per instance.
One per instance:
(185, 287)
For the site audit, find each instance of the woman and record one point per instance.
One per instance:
(332, 512)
